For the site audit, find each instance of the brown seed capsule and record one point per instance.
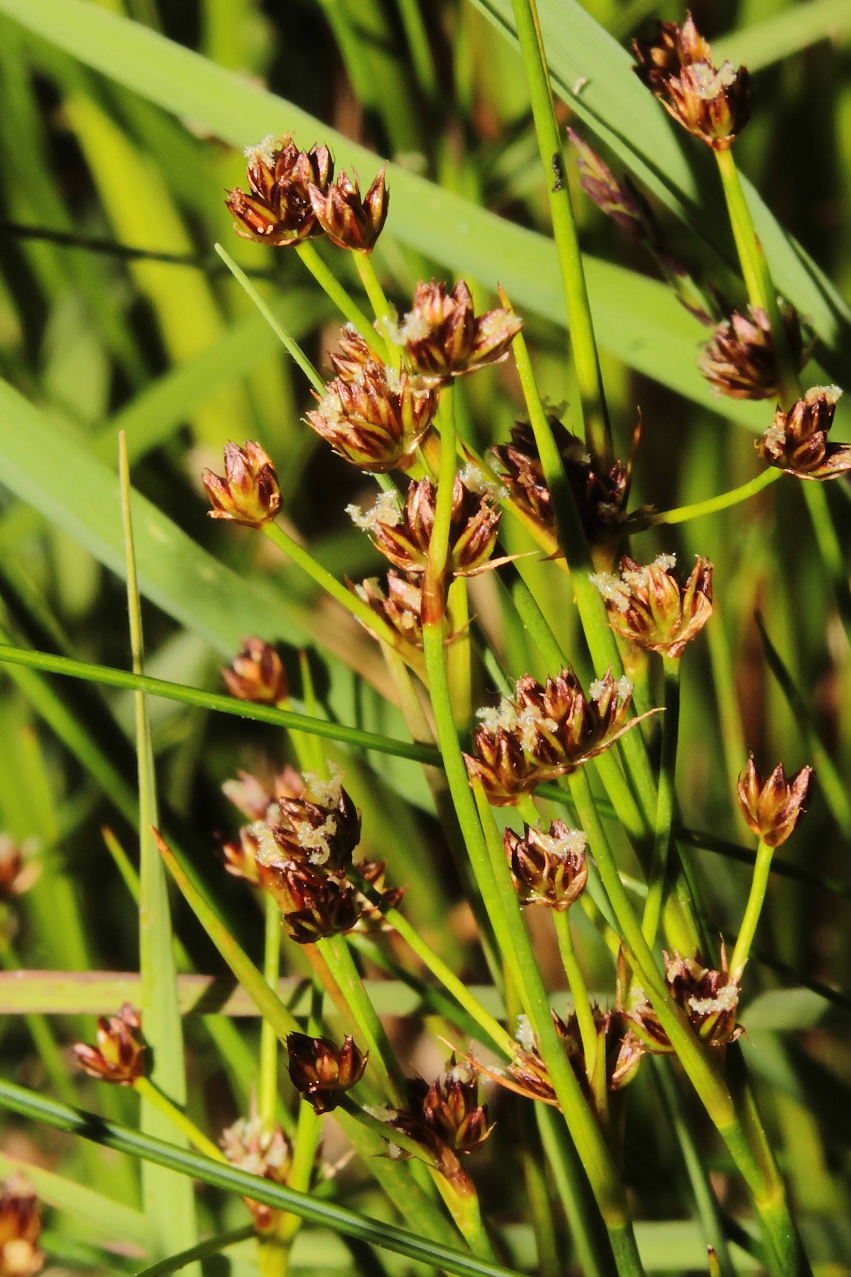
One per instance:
(618, 1056)
(20, 1229)
(773, 807)
(546, 731)
(649, 606)
(320, 828)
(322, 1072)
(797, 441)
(347, 218)
(740, 360)
(119, 1054)
(324, 906)
(600, 496)
(404, 536)
(249, 1145)
(445, 1118)
(548, 868)
(257, 673)
(710, 1000)
(278, 209)
(399, 605)
(375, 419)
(713, 103)
(249, 492)
(18, 870)
(444, 338)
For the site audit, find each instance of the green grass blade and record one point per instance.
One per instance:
(224, 704)
(378, 1233)
(445, 226)
(169, 1204)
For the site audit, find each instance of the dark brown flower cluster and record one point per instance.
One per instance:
(617, 1057)
(20, 1229)
(373, 416)
(257, 673)
(710, 1000)
(251, 1146)
(249, 492)
(548, 868)
(713, 103)
(403, 535)
(545, 731)
(740, 360)
(652, 608)
(399, 604)
(119, 1055)
(446, 1119)
(773, 807)
(797, 441)
(322, 1072)
(292, 197)
(301, 851)
(443, 337)
(600, 496)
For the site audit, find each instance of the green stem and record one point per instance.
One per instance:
(701, 1187)
(586, 358)
(591, 1242)
(147, 1091)
(338, 956)
(722, 502)
(578, 989)
(328, 282)
(267, 1088)
(323, 578)
(753, 1159)
(758, 281)
(385, 314)
(517, 947)
(493, 876)
(753, 909)
(265, 999)
(665, 798)
(499, 1036)
(291, 346)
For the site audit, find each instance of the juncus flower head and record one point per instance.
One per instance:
(713, 103)
(797, 441)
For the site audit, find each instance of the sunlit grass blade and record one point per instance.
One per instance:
(169, 1204)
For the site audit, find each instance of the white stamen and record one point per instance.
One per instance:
(385, 510)
(613, 589)
(524, 1033)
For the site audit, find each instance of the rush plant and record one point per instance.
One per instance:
(394, 910)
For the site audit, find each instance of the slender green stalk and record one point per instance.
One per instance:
(758, 281)
(753, 909)
(151, 1094)
(230, 1178)
(586, 358)
(591, 1242)
(291, 346)
(707, 1206)
(265, 999)
(328, 282)
(210, 1248)
(665, 800)
(267, 1085)
(350, 601)
(578, 988)
(517, 947)
(385, 314)
(499, 1036)
(494, 882)
(754, 1160)
(683, 513)
(336, 953)
(273, 714)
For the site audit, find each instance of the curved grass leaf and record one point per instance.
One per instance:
(637, 319)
